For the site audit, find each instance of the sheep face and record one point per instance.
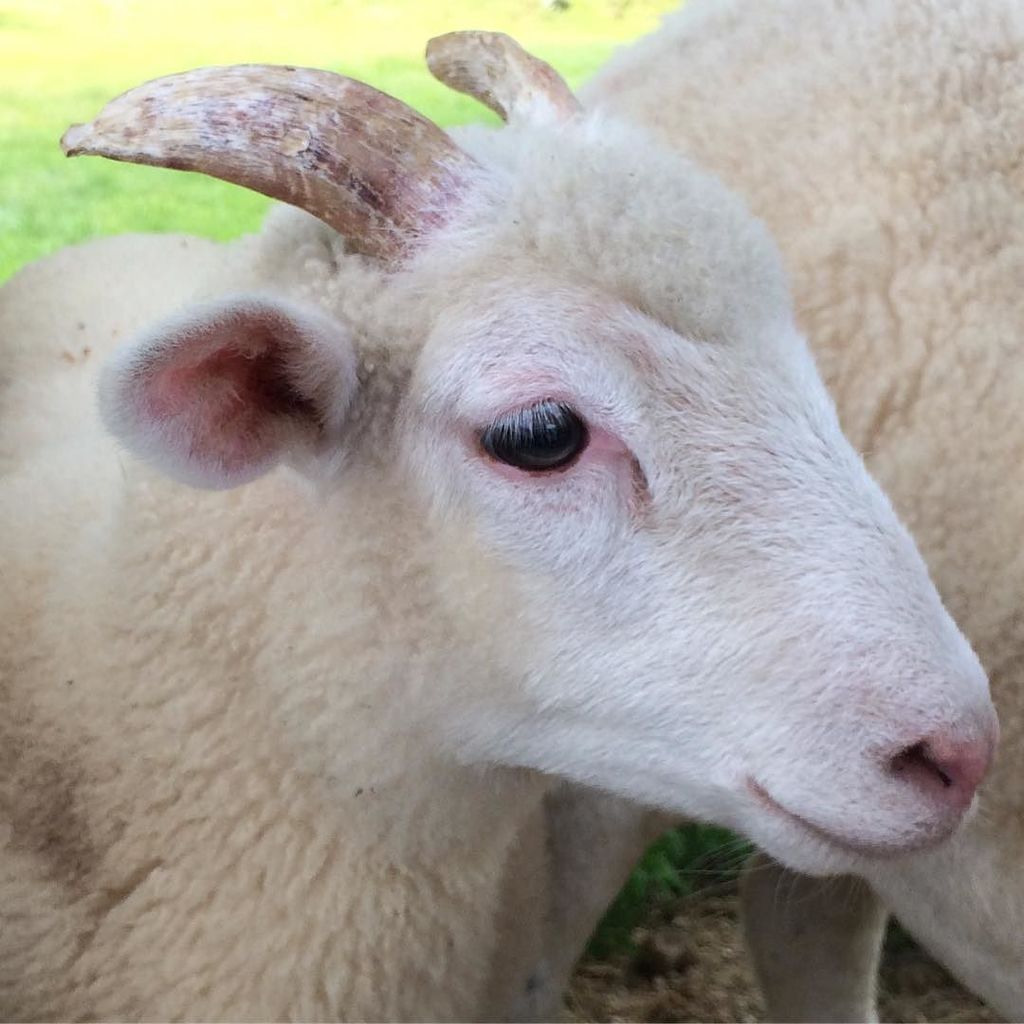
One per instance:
(671, 575)
(705, 601)
(711, 604)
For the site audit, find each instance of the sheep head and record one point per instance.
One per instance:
(695, 594)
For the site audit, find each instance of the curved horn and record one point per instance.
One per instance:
(361, 161)
(493, 68)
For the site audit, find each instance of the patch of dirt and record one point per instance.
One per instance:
(689, 964)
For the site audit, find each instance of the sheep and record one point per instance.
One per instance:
(880, 142)
(418, 547)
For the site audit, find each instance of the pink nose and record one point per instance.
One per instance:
(947, 769)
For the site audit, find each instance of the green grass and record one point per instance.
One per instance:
(60, 60)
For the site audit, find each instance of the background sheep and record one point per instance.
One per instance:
(881, 143)
(303, 765)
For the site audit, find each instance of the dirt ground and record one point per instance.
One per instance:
(689, 964)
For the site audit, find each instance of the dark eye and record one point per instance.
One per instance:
(545, 436)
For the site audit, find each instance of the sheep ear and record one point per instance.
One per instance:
(220, 394)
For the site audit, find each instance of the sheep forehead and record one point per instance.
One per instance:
(596, 204)
(595, 208)
(601, 204)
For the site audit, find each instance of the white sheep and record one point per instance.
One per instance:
(881, 142)
(540, 484)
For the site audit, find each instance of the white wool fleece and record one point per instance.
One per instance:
(301, 743)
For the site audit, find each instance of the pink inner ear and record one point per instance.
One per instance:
(232, 401)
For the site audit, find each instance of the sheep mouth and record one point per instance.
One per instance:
(857, 847)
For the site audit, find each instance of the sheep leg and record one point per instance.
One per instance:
(815, 942)
(594, 841)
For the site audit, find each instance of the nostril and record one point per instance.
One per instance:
(943, 768)
(917, 760)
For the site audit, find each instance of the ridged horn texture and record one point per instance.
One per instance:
(494, 69)
(364, 163)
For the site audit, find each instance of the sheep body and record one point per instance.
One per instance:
(880, 143)
(210, 878)
(294, 750)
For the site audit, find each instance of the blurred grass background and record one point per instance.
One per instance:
(60, 60)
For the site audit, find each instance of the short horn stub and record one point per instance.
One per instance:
(494, 69)
(361, 161)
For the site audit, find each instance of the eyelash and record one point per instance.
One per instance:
(544, 437)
